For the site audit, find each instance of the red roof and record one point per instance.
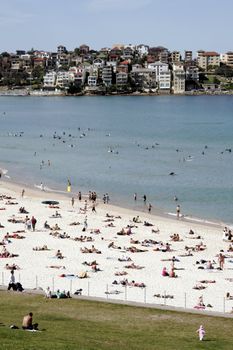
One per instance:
(210, 53)
(125, 62)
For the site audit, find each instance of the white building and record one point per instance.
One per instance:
(227, 58)
(63, 79)
(107, 75)
(121, 78)
(98, 63)
(142, 49)
(178, 79)
(50, 79)
(92, 80)
(164, 81)
(163, 74)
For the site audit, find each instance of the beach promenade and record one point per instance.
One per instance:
(114, 252)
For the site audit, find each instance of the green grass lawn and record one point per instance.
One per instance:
(76, 324)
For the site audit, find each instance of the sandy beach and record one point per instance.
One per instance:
(126, 251)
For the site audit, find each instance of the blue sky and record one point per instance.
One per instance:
(176, 24)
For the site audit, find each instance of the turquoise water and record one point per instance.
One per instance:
(150, 137)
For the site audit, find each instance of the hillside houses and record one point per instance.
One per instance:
(128, 68)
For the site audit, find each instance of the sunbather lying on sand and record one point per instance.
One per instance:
(125, 282)
(155, 230)
(199, 286)
(112, 245)
(53, 206)
(12, 267)
(74, 223)
(163, 248)
(95, 231)
(44, 247)
(121, 273)
(84, 239)
(176, 237)
(125, 231)
(9, 202)
(133, 266)
(14, 235)
(146, 223)
(125, 258)
(90, 250)
(56, 267)
(133, 249)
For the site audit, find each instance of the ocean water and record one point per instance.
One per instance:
(125, 144)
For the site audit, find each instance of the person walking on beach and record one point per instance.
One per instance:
(33, 221)
(68, 186)
(93, 207)
(79, 196)
(178, 211)
(72, 202)
(201, 332)
(221, 260)
(85, 224)
(144, 199)
(149, 208)
(23, 192)
(135, 196)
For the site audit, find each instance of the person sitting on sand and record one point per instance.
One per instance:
(59, 254)
(172, 273)
(27, 322)
(55, 227)
(46, 225)
(230, 248)
(229, 296)
(56, 215)
(209, 265)
(164, 272)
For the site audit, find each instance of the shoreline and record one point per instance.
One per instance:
(63, 195)
(39, 93)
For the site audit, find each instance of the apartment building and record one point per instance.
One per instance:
(107, 75)
(50, 79)
(227, 58)
(175, 56)
(121, 78)
(206, 59)
(188, 56)
(178, 79)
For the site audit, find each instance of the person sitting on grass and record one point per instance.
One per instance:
(27, 322)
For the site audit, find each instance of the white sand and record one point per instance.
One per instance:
(35, 273)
